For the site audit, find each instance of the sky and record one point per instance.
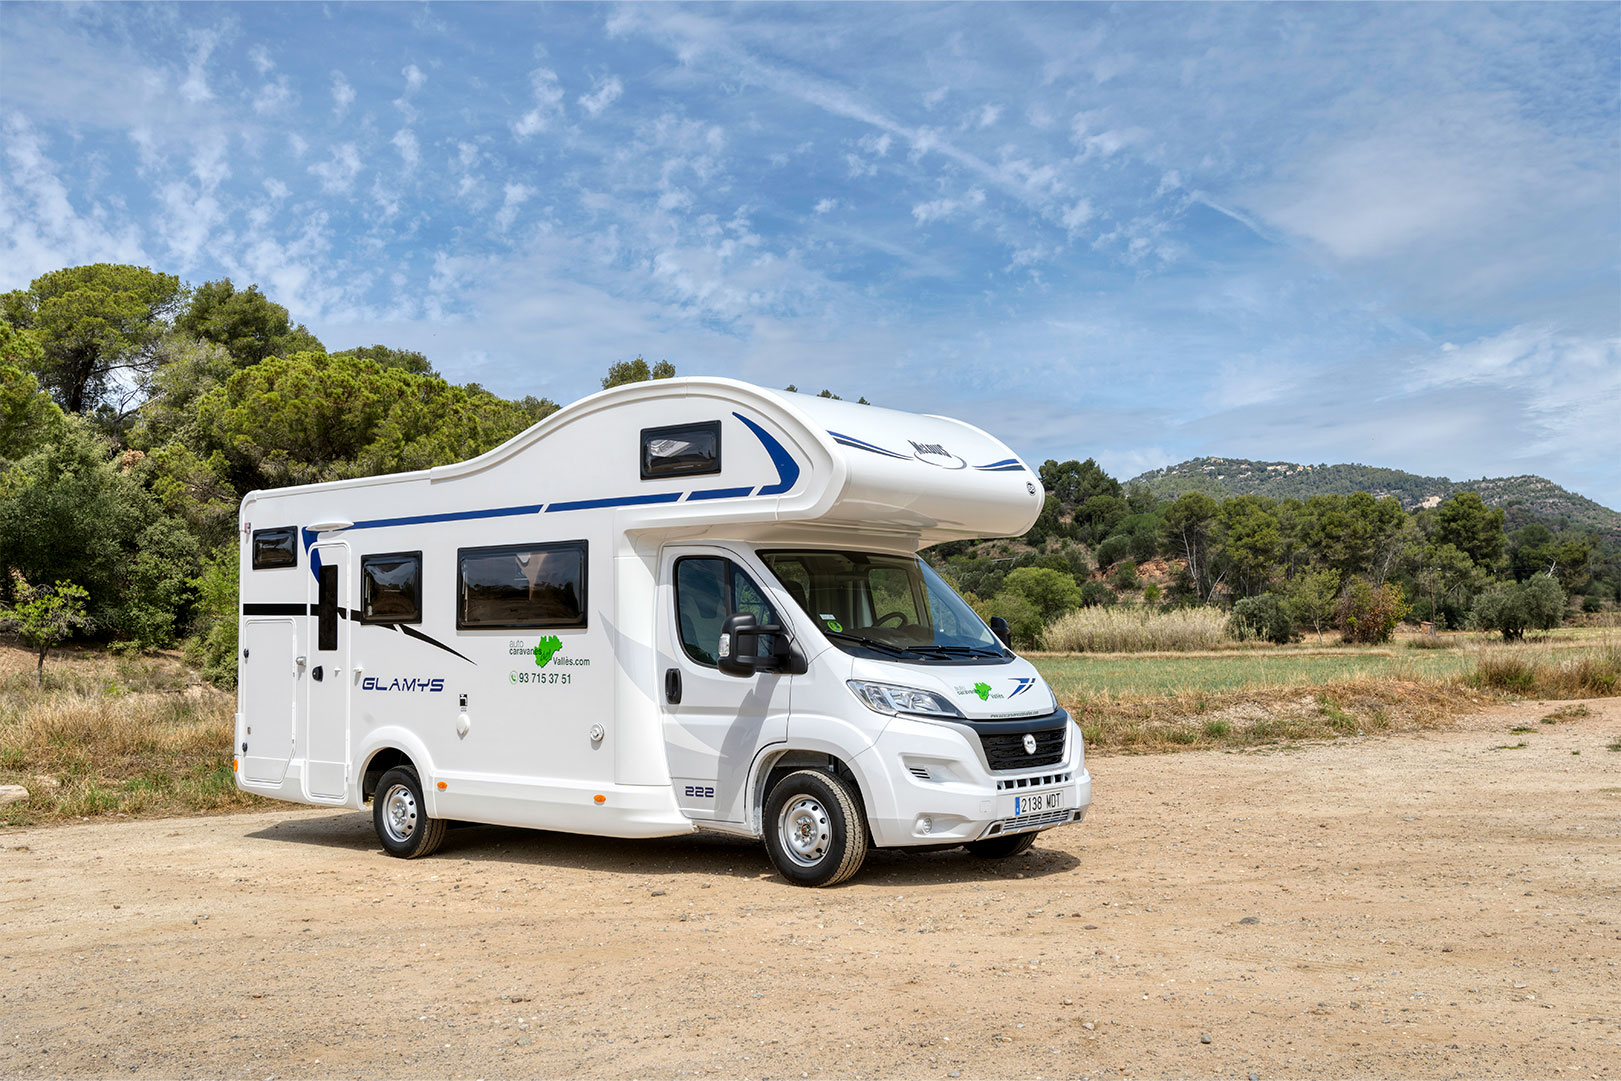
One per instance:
(1388, 234)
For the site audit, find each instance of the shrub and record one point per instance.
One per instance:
(1262, 617)
(1049, 591)
(1135, 630)
(1369, 614)
(1513, 608)
(1151, 593)
(1125, 576)
(1096, 595)
(1113, 550)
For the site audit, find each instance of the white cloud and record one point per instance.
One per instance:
(195, 87)
(934, 210)
(296, 144)
(337, 174)
(935, 97)
(605, 94)
(1078, 215)
(824, 205)
(514, 197)
(548, 104)
(405, 141)
(273, 96)
(343, 95)
(276, 189)
(413, 78)
(875, 144)
(260, 56)
(988, 115)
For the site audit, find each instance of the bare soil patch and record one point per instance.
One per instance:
(1416, 905)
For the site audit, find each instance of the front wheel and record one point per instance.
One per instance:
(1000, 848)
(815, 829)
(400, 815)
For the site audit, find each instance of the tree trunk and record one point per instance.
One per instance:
(39, 670)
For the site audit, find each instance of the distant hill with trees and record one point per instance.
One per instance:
(1524, 499)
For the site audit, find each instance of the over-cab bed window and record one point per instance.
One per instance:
(523, 585)
(391, 588)
(681, 450)
(275, 547)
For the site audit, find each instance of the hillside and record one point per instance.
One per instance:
(1526, 498)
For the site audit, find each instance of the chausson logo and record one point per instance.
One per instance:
(935, 454)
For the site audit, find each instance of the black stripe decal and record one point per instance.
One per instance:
(412, 632)
(277, 609)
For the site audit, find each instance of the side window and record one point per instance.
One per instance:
(391, 588)
(275, 547)
(532, 585)
(707, 590)
(681, 450)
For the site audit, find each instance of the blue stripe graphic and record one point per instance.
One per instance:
(618, 501)
(852, 441)
(787, 468)
(719, 493)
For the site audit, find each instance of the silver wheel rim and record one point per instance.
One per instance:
(804, 830)
(400, 813)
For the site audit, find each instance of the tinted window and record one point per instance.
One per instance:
(326, 609)
(275, 547)
(682, 450)
(533, 585)
(391, 588)
(707, 590)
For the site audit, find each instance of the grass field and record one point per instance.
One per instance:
(112, 735)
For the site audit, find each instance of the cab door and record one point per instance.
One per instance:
(714, 724)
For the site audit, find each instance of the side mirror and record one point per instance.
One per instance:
(999, 628)
(738, 653)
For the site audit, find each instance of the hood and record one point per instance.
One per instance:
(984, 692)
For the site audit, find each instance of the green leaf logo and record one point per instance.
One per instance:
(834, 626)
(983, 690)
(545, 648)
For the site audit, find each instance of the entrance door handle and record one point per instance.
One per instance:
(672, 686)
(316, 674)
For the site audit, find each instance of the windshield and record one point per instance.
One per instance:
(884, 605)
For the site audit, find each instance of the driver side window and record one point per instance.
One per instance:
(707, 590)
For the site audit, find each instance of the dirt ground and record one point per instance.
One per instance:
(1444, 904)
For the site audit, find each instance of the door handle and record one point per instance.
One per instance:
(316, 673)
(672, 686)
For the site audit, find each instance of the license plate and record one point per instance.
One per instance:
(1038, 803)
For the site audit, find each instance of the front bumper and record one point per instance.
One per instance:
(928, 783)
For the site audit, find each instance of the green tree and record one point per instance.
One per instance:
(1465, 522)
(1355, 534)
(1264, 617)
(28, 417)
(1251, 540)
(93, 324)
(1443, 569)
(1512, 608)
(246, 323)
(1368, 613)
(636, 371)
(1050, 592)
(44, 616)
(406, 360)
(1188, 524)
(1313, 596)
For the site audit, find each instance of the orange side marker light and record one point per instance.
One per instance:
(443, 786)
(600, 798)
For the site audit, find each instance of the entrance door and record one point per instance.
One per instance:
(326, 748)
(714, 724)
(269, 682)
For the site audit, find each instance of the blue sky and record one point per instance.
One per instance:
(1387, 234)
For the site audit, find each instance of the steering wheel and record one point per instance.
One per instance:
(898, 617)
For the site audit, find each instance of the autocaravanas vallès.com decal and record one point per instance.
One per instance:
(985, 693)
(547, 652)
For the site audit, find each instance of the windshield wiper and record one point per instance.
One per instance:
(871, 643)
(959, 651)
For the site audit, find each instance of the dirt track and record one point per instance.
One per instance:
(1427, 906)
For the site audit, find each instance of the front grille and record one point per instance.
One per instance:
(1029, 822)
(1005, 750)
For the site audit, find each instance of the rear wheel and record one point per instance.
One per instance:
(400, 815)
(815, 829)
(1000, 848)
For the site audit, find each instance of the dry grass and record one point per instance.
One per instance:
(1135, 630)
(1591, 674)
(113, 736)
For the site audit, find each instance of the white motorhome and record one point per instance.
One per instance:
(674, 605)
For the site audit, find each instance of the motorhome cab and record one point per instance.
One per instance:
(675, 605)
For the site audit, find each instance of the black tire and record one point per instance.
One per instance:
(399, 814)
(815, 828)
(1000, 848)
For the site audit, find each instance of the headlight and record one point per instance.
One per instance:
(888, 698)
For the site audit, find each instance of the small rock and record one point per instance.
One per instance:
(1250, 920)
(524, 1041)
(1090, 927)
(1089, 1026)
(658, 893)
(45, 781)
(1255, 1076)
(12, 793)
(1205, 1038)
